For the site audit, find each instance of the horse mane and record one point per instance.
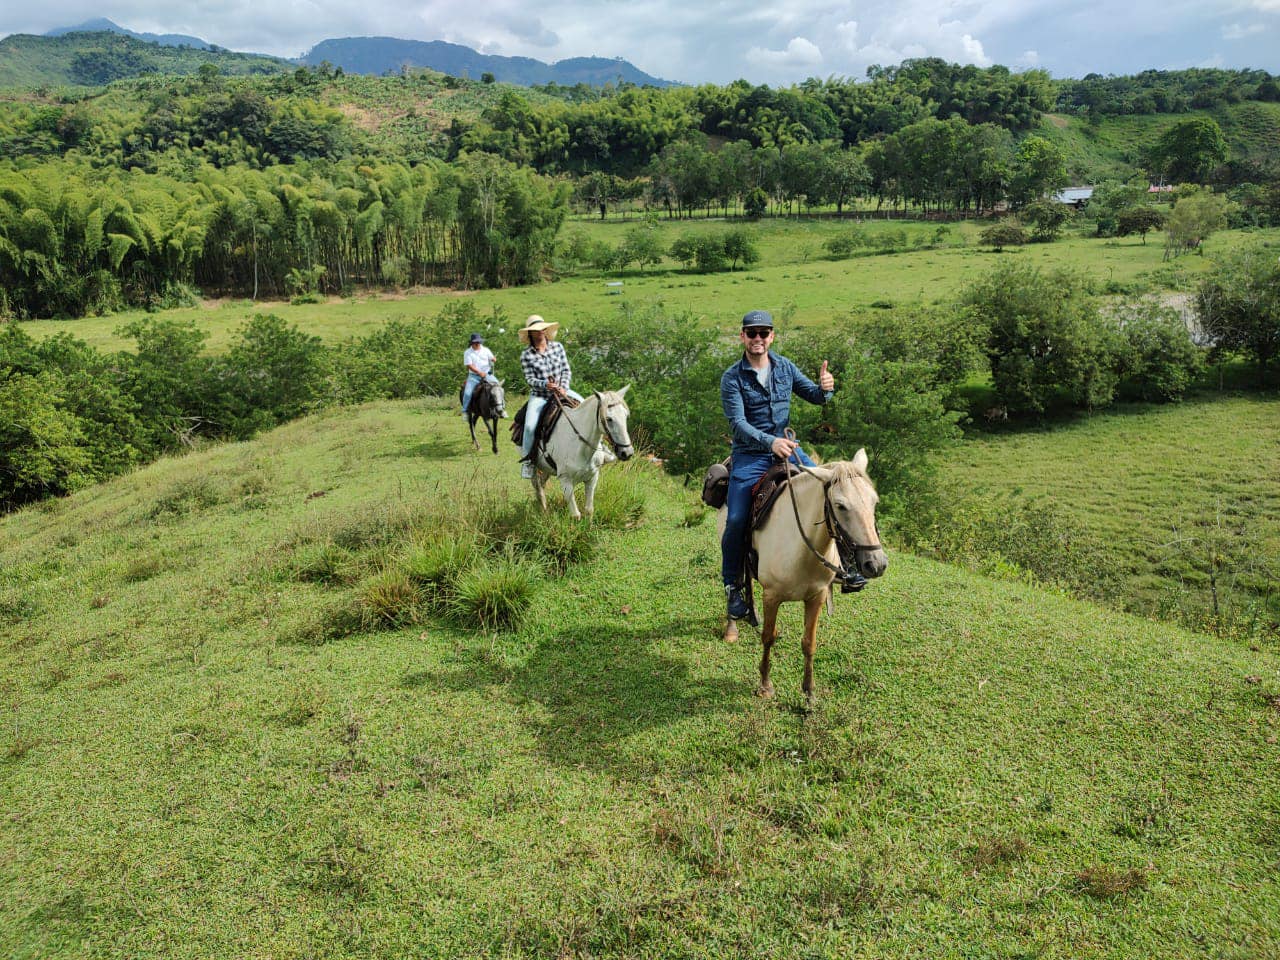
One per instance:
(845, 470)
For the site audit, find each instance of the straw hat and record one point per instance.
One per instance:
(535, 322)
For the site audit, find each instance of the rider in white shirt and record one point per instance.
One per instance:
(479, 361)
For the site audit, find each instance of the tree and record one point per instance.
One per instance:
(642, 244)
(1196, 214)
(740, 245)
(1045, 338)
(1047, 218)
(1239, 306)
(1039, 168)
(1189, 151)
(1139, 220)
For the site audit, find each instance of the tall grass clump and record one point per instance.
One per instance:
(496, 593)
(323, 562)
(555, 538)
(620, 497)
(435, 565)
(389, 599)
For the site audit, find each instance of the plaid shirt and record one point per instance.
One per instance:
(540, 367)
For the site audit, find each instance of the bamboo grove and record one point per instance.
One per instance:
(74, 240)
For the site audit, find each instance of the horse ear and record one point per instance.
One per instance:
(860, 460)
(623, 391)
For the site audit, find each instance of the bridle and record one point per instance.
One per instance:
(847, 548)
(601, 420)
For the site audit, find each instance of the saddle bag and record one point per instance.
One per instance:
(715, 485)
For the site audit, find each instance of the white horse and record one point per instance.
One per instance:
(830, 526)
(572, 454)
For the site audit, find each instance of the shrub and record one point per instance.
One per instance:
(709, 253)
(1006, 234)
(1045, 338)
(740, 245)
(1047, 218)
(273, 372)
(1159, 360)
(556, 538)
(1239, 306)
(842, 245)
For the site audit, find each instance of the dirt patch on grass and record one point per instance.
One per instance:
(1057, 120)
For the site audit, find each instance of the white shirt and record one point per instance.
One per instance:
(762, 373)
(480, 357)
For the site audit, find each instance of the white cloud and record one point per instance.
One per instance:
(1235, 31)
(1028, 58)
(798, 53)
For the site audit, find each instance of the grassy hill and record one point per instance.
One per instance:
(212, 749)
(1111, 148)
(92, 59)
(1183, 496)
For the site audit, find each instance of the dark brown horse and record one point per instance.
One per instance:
(488, 403)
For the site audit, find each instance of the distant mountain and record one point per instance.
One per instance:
(103, 25)
(379, 55)
(95, 59)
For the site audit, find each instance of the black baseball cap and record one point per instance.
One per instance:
(757, 318)
(476, 338)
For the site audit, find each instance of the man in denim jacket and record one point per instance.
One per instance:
(756, 395)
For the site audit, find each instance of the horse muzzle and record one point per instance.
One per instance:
(872, 563)
(625, 453)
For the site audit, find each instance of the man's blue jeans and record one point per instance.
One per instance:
(747, 469)
(472, 380)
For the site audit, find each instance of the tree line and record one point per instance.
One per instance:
(76, 240)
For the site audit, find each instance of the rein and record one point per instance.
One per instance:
(604, 426)
(845, 545)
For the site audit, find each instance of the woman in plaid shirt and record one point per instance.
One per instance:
(546, 369)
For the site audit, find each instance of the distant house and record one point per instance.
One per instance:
(1074, 196)
(1158, 188)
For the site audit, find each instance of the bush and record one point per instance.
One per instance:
(1159, 361)
(1006, 234)
(1045, 338)
(273, 372)
(389, 599)
(673, 364)
(841, 246)
(1239, 306)
(740, 245)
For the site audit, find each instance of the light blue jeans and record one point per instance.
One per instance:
(472, 380)
(531, 417)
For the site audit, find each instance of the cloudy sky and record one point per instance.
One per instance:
(721, 40)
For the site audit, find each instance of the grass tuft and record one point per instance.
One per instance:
(999, 851)
(495, 593)
(323, 562)
(389, 599)
(187, 496)
(1103, 883)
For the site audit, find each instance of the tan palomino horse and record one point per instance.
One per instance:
(835, 511)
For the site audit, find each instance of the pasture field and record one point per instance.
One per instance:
(1186, 497)
(793, 277)
(203, 755)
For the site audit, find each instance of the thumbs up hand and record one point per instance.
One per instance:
(825, 380)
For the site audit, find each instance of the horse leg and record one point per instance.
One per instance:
(730, 630)
(539, 478)
(471, 422)
(768, 635)
(493, 433)
(809, 644)
(589, 493)
(566, 484)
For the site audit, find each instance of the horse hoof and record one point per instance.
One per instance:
(765, 692)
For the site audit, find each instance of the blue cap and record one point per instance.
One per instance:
(757, 318)
(476, 338)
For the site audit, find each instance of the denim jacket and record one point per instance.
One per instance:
(758, 416)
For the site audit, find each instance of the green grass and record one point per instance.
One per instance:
(793, 279)
(1167, 488)
(990, 770)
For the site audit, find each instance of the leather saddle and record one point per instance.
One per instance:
(546, 423)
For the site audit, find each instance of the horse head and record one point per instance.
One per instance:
(852, 500)
(613, 420)
(498, 400)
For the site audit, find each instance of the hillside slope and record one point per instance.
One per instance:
(92, 59)
(200, 760)
(1112, 148)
